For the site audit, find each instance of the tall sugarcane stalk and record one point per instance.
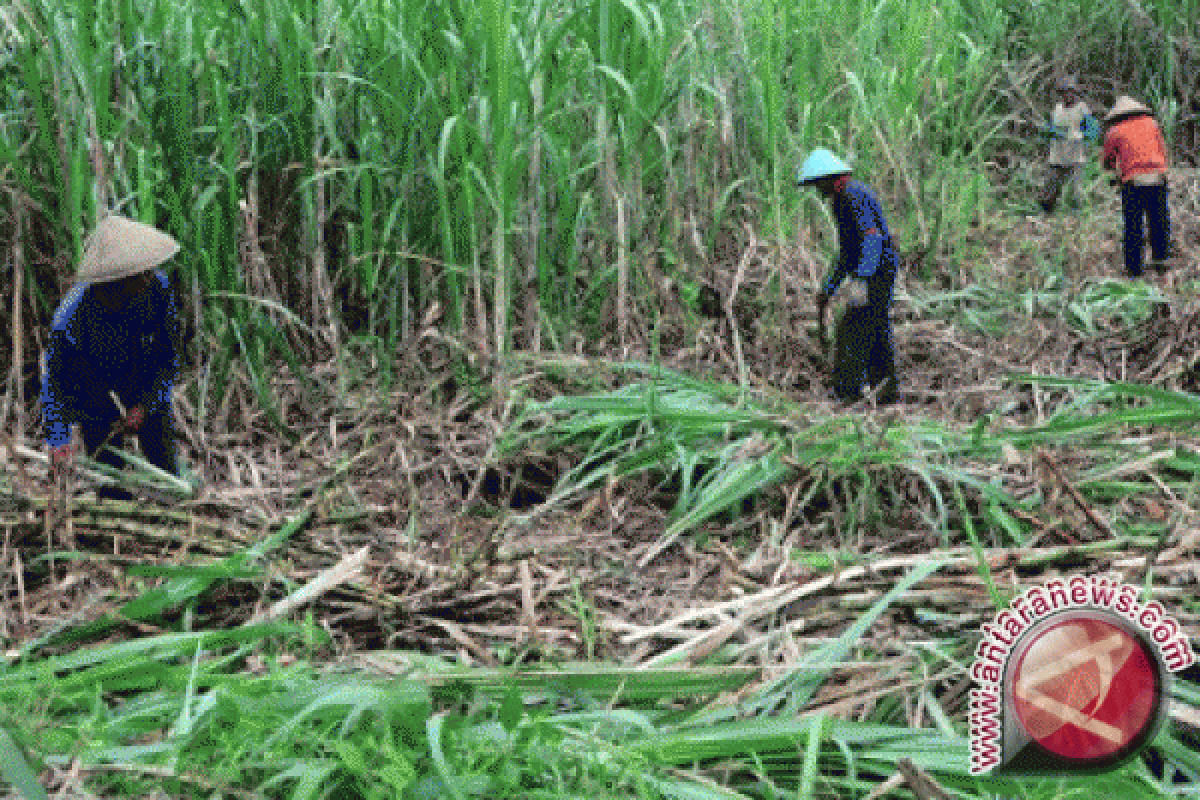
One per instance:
(467, 121)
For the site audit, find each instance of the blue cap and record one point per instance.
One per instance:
(820, 164)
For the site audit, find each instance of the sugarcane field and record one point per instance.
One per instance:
(547, 399)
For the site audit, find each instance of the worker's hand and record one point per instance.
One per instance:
(134, 418)
(62, 455)
(855, 291)
(1050, 130)
(60, 459)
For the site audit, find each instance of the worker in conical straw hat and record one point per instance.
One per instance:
(113, 351)
(867, 256)
(1135, 148)
(1071, 127)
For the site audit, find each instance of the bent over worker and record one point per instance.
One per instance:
(115, 333)
(1134, 145)
(867, 256)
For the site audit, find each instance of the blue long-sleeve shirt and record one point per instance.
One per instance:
(858, 213)
(133, 351)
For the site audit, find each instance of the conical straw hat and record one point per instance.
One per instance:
(120, 247)
(820, 164)
(1125, 106)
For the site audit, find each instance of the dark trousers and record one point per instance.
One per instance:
(863, 350)
(1150, 203)
(1057, 177)
(156, 438)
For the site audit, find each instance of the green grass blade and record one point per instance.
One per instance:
(434, 727)
(794, 690)
(808, 775)
(16, 770)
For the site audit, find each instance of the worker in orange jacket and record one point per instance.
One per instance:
(1134, 146)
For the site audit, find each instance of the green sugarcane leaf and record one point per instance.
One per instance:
(16, 770)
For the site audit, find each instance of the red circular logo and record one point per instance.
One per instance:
(1086, 689)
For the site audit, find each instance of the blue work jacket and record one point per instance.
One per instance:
(133, 351)
(857, 211)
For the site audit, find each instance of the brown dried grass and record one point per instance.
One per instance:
(413, 476)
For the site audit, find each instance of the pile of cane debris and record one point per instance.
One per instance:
(566, 589)
(414, 542)
(405, 528)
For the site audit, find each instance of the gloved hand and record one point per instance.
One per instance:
(134, 418)
(60, 460)
(1051, 131)
(855, 292)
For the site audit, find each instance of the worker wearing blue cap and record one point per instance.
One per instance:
(863, 347)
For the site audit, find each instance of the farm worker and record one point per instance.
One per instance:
(1071, 126)
(1134, 146)
(115, 334)
(863, 346)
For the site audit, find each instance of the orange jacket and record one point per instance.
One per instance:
(1136, 143)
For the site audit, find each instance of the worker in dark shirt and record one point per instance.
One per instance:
(113, 352)
(864, 352)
